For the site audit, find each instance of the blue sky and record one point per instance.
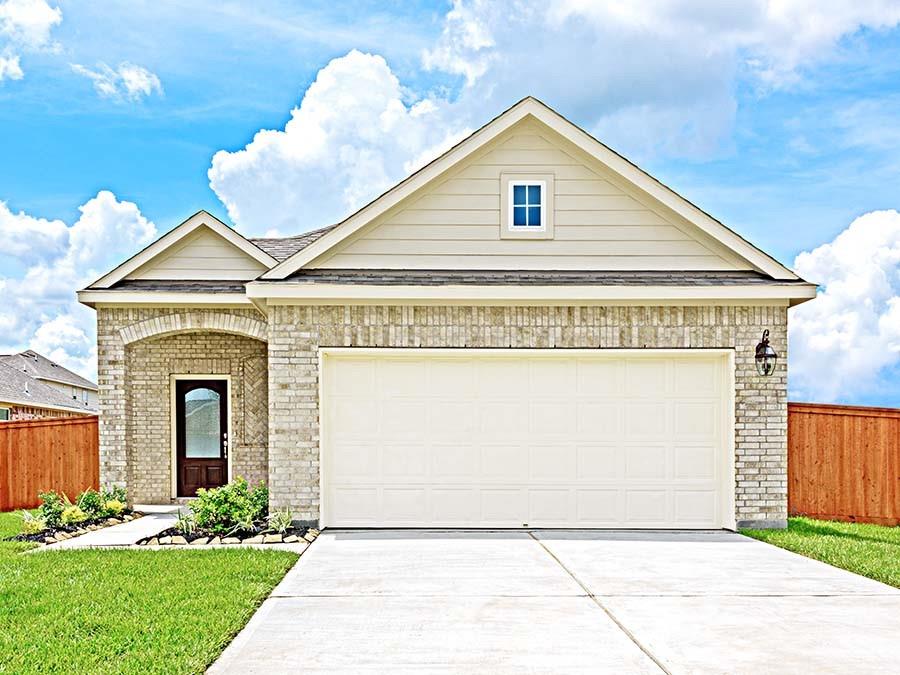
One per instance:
(120, 119)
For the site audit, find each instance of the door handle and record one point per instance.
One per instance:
(225, 445)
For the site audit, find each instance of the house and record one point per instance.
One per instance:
(34, 387)
(528, 331)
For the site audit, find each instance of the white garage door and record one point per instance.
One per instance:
(513, 438)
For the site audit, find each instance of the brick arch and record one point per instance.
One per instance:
(189, 321)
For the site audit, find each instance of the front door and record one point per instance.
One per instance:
(201, 409)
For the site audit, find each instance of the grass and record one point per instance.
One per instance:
(870, 550)
(126, 611)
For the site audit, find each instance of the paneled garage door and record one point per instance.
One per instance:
(526, 438)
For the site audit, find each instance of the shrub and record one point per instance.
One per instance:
(280, 521)
(230, 508)
(92, 503)
(185, 524)
(52, 506)
(72, 515)
(115, 493)
(113, 507)
(32, 524)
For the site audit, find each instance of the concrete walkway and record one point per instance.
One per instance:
(561, 601)
(125, 534)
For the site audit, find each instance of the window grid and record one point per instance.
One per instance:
(527, 205)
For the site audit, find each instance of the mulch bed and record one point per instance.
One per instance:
(174, 537)
(63, 532)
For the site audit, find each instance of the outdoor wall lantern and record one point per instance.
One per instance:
(766, 357)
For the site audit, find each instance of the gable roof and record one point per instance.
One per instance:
(531, 107)
(18, 387)
(165, 242)
(40, 367)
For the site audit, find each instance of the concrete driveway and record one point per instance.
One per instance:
(564, 601)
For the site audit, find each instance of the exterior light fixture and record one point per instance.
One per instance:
(766, 357)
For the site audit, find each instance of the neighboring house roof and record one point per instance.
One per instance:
(20, 388)
(40, 367)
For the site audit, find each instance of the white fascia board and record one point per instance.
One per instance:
(172, 237)
(45, 406)
(66, 383)
(107, 297)
(530, 106)
(318, 293)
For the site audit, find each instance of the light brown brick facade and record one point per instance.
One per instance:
(131, 378)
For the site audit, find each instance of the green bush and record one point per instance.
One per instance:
(115, 493)
(113, 507)
(73, 515)
(32, 524)
(185, 524)
(92, 503)
(52, 506)
(230, 508)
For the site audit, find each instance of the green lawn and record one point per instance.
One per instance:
(126, 611)
(870, 550)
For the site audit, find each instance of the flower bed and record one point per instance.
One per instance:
(232, 514)
(58, 519)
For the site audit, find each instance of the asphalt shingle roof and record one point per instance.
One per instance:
(40, 367)
(284, 247)
(17, 386)
(530, 277)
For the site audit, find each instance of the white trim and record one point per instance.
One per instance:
(728, 481)
(531, 106)
(49, 406)
(542, 205)
(173, 422)
(43, 378)
(199, 219)
(91, 298)
(324, 293)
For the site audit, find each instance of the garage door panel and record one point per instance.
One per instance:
(501, 440)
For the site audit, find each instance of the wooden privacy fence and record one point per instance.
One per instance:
(54, 454)
(844, 462)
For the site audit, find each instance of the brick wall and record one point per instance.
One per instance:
(295, 333)
(135, 391)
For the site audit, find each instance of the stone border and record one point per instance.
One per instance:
(62, 535)
(202, 541)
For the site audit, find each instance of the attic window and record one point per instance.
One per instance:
(527, 200)
(526, 205)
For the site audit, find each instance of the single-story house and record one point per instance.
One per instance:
(529, 331)
(35, 387)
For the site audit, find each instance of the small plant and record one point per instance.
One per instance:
(186, 524)
(92, 503)
(115, 493)
(280, 521)
(72, 515)
(230, 508)
(113, 507)
(32, 524)
(52, 506)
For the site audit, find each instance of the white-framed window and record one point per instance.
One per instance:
(4, 414)
(526, 206)
(75, 393)
(84, 396)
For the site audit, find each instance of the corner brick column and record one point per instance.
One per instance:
(112, 403)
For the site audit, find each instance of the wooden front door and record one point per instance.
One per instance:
(201, 414)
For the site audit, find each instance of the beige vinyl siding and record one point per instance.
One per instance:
(599, 224)
(201, 255)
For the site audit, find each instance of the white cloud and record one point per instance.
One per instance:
(846, 342)
(671, 66)
(347, 141)
(38, 307)
(10, 68)
(25, 25)
(127, 82)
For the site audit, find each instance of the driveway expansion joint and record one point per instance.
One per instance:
(603, 607)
